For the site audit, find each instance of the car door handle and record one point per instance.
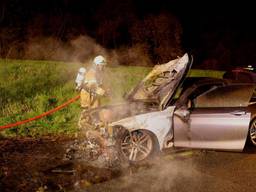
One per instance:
(238, 113)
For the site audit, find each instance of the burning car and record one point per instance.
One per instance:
(165, 111)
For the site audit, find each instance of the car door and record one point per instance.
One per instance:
(218, 119)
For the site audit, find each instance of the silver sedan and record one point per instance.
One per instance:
(208, 114)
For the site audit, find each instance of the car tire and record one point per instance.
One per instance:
(137, 146)
(252, 133)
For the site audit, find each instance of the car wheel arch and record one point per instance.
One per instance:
(123, 132)
(253, 119)
(152, 132)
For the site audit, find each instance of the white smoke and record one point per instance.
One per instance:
(79, 49)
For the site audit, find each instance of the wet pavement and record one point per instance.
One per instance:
(191, 171)
(37, 165)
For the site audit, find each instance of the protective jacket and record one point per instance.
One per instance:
(92, 89)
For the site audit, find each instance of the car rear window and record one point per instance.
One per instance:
(226, 96)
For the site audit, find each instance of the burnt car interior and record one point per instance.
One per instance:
(224, 96)
(192, 87)
(213, 93)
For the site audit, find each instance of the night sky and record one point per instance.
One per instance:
(219, 35)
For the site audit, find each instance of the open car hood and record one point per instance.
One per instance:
(162, 82)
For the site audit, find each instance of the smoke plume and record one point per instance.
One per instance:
(78, 49)
(164, 175)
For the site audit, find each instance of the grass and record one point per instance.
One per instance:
(206, 73)
(29, 88)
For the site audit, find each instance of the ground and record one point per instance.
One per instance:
(28, 164)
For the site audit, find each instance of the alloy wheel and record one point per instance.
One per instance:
(253, 132)
(137, 145)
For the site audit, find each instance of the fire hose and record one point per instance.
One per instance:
(2, 127)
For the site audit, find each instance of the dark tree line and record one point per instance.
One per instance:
(113, 24)
(157, 30)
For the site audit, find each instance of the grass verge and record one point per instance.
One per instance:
(29, 88)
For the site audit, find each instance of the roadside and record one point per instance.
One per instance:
(28, 164)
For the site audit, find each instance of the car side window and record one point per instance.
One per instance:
(225, 96)
(203, 91)
(188, 96)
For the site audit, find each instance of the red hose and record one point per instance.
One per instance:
(2, 127)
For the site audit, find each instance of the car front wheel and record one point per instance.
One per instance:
(252, 132)
(138, 145)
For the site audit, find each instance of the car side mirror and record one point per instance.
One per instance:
(183, 113)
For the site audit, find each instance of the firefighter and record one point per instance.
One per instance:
(92, 90)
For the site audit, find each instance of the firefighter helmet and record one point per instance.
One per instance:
(99, 60)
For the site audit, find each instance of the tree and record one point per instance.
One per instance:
(162, 35)
(113, 19)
